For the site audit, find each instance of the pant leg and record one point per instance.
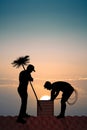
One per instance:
(64, 99)
(63, 108)
(23, 107)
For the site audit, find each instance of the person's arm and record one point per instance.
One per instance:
(54, 94)
(30, 78)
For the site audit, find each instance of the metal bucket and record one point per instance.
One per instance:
(47, 108)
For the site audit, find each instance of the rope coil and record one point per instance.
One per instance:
(74, 98)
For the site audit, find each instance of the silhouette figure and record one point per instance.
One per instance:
(55, 88)
(24, 78)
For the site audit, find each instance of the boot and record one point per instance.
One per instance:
(21, 120)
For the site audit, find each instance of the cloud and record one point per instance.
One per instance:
(8, 82)
(82, 78)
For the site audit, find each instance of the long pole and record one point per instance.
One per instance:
(34, 91)
(35, 95)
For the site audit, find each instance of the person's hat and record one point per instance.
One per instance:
(30, 67)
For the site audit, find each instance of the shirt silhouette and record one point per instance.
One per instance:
(55, 88)
(24, 78)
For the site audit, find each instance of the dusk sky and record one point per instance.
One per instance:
(52, 32)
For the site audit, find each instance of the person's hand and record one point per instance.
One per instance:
(31, 79)
(51, 100)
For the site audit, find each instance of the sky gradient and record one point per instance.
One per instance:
(52, 32)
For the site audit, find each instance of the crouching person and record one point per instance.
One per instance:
(55, 88)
